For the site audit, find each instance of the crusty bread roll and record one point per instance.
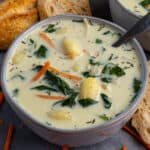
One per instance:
(141, 119)
(49, 8)
(15, 17)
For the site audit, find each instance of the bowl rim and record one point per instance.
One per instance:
(102, 126)
(128, 10)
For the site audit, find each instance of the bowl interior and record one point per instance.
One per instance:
(12, 49)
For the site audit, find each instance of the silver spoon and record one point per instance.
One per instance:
(141, 26)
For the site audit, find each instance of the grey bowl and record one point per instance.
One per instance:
(127, 19)
(78, 137)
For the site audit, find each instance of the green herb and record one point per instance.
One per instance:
(107, 32)
(103, 49)
(90, 22)
(91, 121)
(87, 102)
(78, 21)
(18, 76)
(112, 57)
(57, 83)
(117, 34)
(98, 41)
(41, 52)
(44, 88)
(105, 117)
(137, 84)
(49, 124)
(15, 92)
(113, 69)
(106, 79)
(94, 63)
(51, 28)
(144, 3)
(106, 101)
(32, 43)
(70, 101)
(87, 74)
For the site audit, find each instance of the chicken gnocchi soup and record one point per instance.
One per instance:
(138, 7)
(67, 75)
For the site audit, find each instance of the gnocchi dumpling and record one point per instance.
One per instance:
(90, 88)
(18, 57)
(59, 115)
(72, 47)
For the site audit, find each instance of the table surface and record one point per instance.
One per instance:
(25, 139)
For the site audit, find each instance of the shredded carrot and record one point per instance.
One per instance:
(63, 74)
(1, 122)
(124, 148)
(65, 147)
(9, 137)
(51, 97)
(1, 98)
(148, 6)
(41, 72)
(136, 136)
(48, 40)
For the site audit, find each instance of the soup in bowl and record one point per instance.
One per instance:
(64, 79)
(128, 12)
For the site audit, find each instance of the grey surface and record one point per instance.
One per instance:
(25, 139)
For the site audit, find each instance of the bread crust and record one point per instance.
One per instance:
(48, 8)
(141, 119)
(15, 17)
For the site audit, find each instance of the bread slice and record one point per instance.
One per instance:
(15, 17)
(48, 8)
(81, 6)
(141, 119)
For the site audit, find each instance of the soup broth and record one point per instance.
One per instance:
(67, 75)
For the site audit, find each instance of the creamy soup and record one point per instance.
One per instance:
(67, 74)
(138, 7)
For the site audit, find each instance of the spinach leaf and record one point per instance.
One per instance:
(58, 83)
(41, 52)
(15, 92)
(87, 74)
(44, 88)
(106, 79)
(87, 102)
(105, 117)
(55, 81)
(137, 84)
(70, 101)
(37, 68)
(113, 69)
(107, 32)
(51, 28)
(78, 21)
(98, 41)
(94, 63)
(21, 77)
(106, 101)
(144, 3)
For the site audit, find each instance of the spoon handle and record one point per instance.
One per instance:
(141, 26)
